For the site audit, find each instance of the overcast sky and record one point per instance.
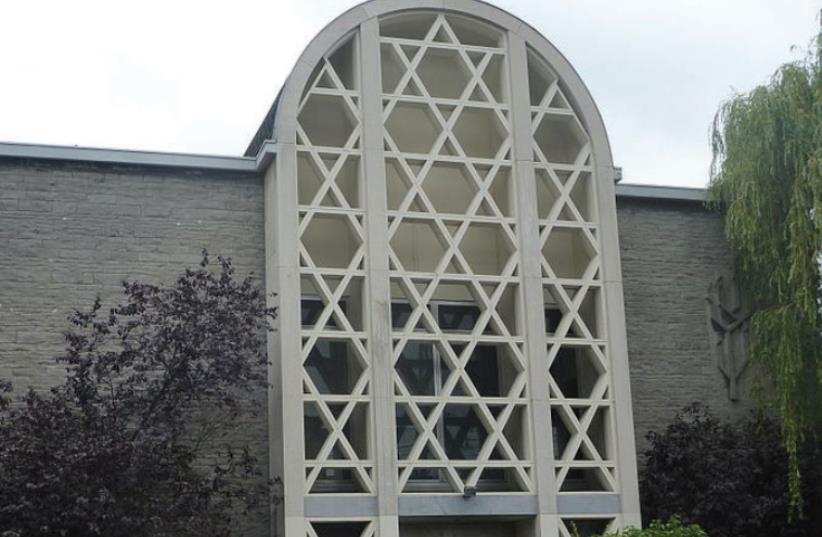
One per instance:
(198, 76)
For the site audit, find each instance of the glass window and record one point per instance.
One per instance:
(484, 370)
(339, 529)
(315, 430)
(330, 363)
(424, 370)
(457, 318)
(564, 371)
(418, 367)
(406, 432)
(464, 433)
(330, 367)
(312, 308)
(400, 313)
(336, 480)
(553, 316)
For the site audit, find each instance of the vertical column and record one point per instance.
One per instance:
(282, 275)
(379, 293)
(618, 346)
(275, 393)
(530, 248)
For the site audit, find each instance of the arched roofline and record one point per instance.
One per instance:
(285, 113)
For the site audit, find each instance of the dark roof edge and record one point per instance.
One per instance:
(127, 156)
(659, 192)
(265, 131)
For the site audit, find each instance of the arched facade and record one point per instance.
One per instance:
(441, 236)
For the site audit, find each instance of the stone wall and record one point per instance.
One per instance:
(671, 252)
(69, 232)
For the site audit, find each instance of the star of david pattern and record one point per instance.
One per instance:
(471, 237)
(577, 351)
(335, 355)
(449, 188)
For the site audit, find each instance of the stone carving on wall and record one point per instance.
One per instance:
(728, 329)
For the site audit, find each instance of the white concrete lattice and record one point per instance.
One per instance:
(450, 231)
(569, 289)
(329, 280)
(441, 161)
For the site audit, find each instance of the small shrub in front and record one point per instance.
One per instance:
(657, 528)
(731, 479)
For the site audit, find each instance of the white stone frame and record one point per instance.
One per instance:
(384, 505)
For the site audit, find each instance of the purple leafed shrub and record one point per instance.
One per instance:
(731, 479)
(138, 439)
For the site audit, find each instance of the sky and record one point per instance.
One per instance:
(198, 76)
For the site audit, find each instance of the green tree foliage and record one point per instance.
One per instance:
(138, 439)
(657, 528)
(767, 179)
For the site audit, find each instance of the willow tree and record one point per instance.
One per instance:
(766, 178)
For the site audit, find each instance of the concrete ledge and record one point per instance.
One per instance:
(457, 506)
(340, 506)
(679, 193)
(122, 156)
(589, 504)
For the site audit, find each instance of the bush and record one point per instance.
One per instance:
(117, 450)
(672, 528)
(732, 480)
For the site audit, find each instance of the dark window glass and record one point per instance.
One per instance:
(464, 433)
(406, 433)
(339, 529)
(560, 434)
(328, 366)
(337, 480)
(552, 318)
(564, 371)
(483, 369)
(315, 432)
(400, 312)
(417, 367)
(312, 308)
(428, 474)
(457, 318)
(424, 370)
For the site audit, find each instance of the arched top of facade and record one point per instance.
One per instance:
(280, 123)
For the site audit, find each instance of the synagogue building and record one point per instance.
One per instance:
(477, 322)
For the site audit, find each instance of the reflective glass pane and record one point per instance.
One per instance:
(339, 529)
(316, 430)
(331, 368)
(564, 371)
(406, 433)
(312, 308)
(400, 312)
(460, 318)
(416, 365)
(552, 318)
(336, 480)
(483, 369)
(464, 434)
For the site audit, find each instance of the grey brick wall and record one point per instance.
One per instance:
(671, 252)
(70, 231)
